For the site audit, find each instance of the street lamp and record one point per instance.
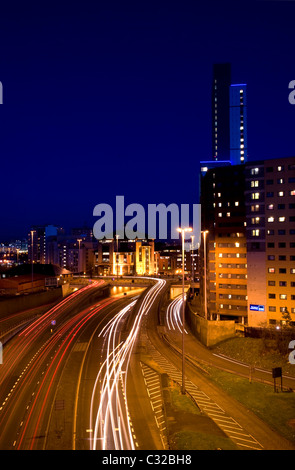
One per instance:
(32, 255)
(79, 254)
(182, 231)
(205, 272)
(192, 264)
(117, 257)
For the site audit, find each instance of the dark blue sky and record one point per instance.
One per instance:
(113, 98)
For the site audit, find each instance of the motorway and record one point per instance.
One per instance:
(32, 364)
(237, 422)
(77, 377)
(64, 376)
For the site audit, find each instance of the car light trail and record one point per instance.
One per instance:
(13, 352)
(72, 328)
(173, 314)
(110, 424)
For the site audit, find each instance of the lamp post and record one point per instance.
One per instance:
(79, 257)
(192, 263)
(205, 272)
(182, 231)
(117, 256)
(32, 255)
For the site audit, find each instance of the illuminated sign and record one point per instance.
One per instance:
(257, 308)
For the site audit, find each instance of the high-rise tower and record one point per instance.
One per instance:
(220, 112)
(238, 123)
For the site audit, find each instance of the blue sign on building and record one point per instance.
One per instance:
(257, 308)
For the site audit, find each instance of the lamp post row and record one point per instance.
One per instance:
(182, 231)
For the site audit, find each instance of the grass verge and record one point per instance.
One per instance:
(275, 409)
(188, 428)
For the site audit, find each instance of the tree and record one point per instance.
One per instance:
(286, 317)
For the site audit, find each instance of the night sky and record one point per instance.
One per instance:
(114, 98)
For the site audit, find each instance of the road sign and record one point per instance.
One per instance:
(276, 372)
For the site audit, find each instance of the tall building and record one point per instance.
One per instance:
(223, 265)
(238, 123)
(270, 209)
(220, 112)
(229, 121)
(249, 212)
(38, 237)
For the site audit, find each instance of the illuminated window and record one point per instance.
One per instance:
(255, 220)
(282, 219)
(254, 184)
(270, 207)
(270, 219)
(255, 233)
(254, 171)
(255, 195)
(281, 193)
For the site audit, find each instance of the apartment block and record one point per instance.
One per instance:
(249, 213)
(270, 208)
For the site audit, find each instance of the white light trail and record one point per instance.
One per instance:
(109, 416)
(173, 314)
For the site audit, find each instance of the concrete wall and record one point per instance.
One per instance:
(25, 302)
(207, 332)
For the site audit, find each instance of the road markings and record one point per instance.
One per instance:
(228, 424)
(154, 390)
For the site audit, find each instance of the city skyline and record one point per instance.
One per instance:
(130, 86)
(147, 230)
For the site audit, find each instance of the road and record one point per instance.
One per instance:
(32, 363)
(76, 377)
(243, 426)
(64, 376)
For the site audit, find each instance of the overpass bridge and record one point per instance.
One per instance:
(146, 281)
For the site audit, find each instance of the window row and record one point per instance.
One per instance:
(233, 297)
(281, 296)
(232, 286)
(281, 270)
(234, 266)
(280, 245)
(272, 194)
(272, 308)
(232, 255)
(281, 283)
(281, 232)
